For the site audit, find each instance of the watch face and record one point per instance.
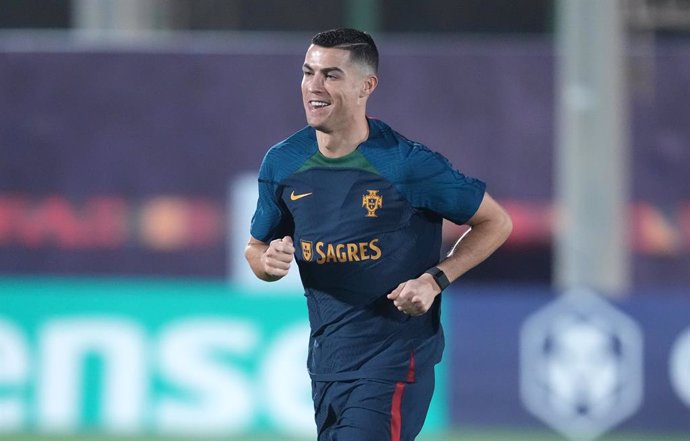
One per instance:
(441, 278)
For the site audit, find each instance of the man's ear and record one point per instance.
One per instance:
(370, 83)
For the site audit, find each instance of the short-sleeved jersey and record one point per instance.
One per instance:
(362, 224)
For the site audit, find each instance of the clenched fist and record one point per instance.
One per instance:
(415, 296)
(278, 257)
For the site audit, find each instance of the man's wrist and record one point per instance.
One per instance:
(439, 277)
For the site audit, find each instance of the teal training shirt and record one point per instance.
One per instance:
(362, 224)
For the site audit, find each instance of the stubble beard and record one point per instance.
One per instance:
(320, 126)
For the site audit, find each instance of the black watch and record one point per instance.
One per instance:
(439, 276)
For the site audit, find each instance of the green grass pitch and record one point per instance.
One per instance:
(461, 435)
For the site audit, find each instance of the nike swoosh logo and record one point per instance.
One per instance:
(294, 197)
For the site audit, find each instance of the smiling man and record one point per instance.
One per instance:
(360, 208)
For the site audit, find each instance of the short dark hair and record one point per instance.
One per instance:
(360, 45)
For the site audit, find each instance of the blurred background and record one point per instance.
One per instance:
(131, 132)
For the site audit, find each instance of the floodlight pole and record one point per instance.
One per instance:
(120, 17)
(592, 241)
(364, 15)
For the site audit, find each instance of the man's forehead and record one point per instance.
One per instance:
(319, 56)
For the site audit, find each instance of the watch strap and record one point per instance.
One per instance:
(439, 277)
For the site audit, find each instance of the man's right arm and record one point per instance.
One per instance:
(270, 261)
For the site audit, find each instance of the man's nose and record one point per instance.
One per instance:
(315, 83)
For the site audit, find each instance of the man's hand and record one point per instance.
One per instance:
(278, 257)
(415, 296)
(270, 261)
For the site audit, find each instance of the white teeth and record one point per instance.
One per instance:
(319, 103)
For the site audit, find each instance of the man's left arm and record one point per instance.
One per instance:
(490, 227)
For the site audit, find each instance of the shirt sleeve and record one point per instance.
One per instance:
(271, 219)
(431, 183)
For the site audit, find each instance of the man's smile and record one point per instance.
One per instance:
(319, 104)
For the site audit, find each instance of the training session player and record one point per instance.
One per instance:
(360, 208)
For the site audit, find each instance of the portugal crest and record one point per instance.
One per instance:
(372, 201)
(306, 250)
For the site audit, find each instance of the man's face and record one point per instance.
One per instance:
(334, 89)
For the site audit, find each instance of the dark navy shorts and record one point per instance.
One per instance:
(371, 410)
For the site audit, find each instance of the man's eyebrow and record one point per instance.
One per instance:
(325, 70)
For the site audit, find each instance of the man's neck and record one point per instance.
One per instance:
(340, 143)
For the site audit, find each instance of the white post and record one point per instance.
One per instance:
(120, 16)
(592, 242)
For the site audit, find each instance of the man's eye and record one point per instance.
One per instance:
(307, 74)
(330, 77)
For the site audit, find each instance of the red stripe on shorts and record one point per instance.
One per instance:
(396, 404)
(410, 370)
(396, 416)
